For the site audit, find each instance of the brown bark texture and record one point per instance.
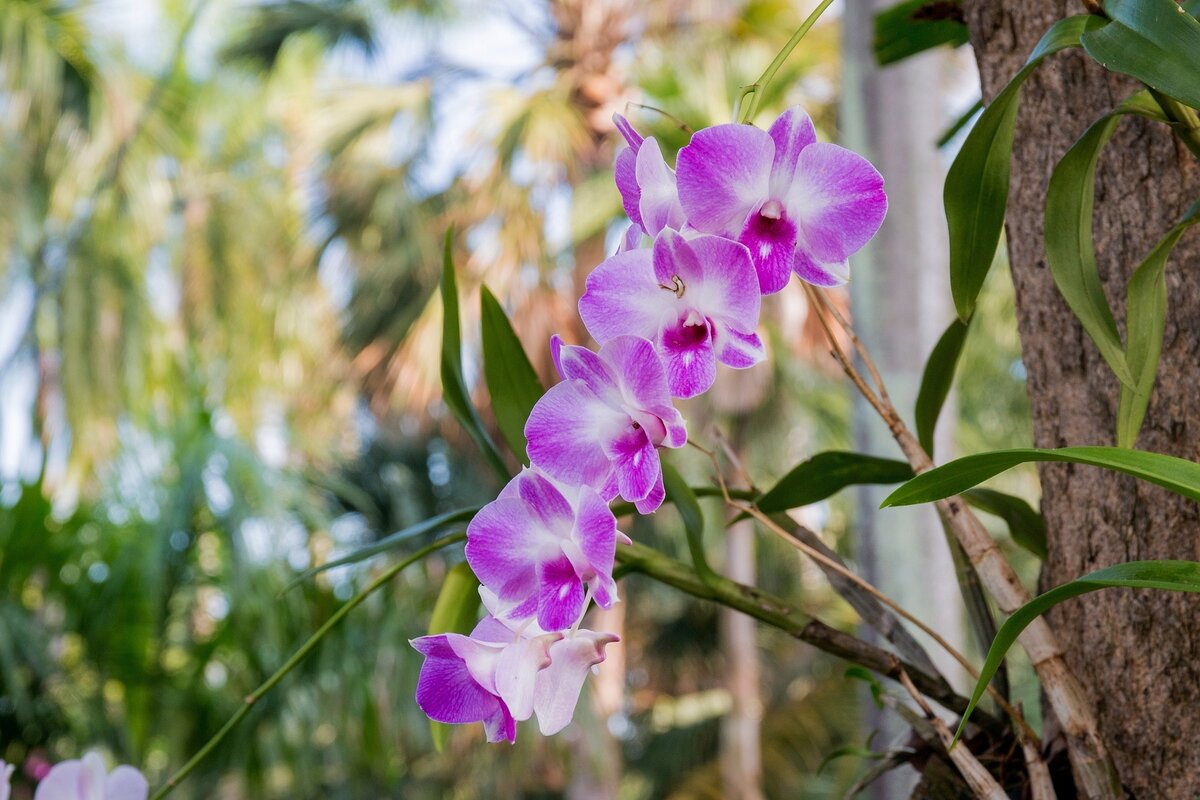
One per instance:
(1136, 652)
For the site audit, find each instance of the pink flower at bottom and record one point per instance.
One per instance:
(87, 779)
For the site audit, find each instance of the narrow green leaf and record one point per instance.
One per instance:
(959, 123)
(1070, 253)
(826, 474)
(914, 26)
(1178, 576)
(1145, 322)
(1026, 526)
(454, 386)
(442, 523)
(512, 381)
(850, 750)
(1154, 41)
(976, 189)
(455, 611)
(864, 675)
(685, 502)
(1176, 474)
(937, 380)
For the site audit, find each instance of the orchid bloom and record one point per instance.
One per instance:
(87, 779)
(646, 183)
(6, 771)
(540, 545)
(556, 687)
(505, 672)
(697, 300)
(601, 425)
(800, 205)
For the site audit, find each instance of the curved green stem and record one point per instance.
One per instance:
(297, 657)
(754, 90)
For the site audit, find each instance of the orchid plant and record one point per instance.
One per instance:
(746, 210)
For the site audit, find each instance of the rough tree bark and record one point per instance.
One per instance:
(1137, 652)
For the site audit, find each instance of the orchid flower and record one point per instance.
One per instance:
(6, 771)
(800, 205)
(87, 779)
(646, 183)
(486, 677)
(556, 688)
(697, 300)
(505, 672)
(601, 425)
(539, 545)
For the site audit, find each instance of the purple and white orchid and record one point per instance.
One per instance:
(539, 546)
(505, 672)
(88, 779)
(800, 205)
(697, 301)
(646, 183)
(602, 424)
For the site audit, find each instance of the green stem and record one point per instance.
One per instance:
(754, 90)
(297, 657)
(1183, 119)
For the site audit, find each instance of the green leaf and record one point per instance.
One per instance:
(1176, 474)
(1070, 253)
(1179, 576)
(684, 500)
(512, 381)
(1154, 41)
(864, 675)
(455, 611)
(1145, 322)
(827, 473)
(960, 123)
(937, 380)
(915, 26)
(1026, 526)
(454, 386)
(442, 523)
(976, 190)
(850, 750)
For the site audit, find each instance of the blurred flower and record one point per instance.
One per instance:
(87, 779)
(698, 302)
(6, 771)
(800, 205)
(601, 425)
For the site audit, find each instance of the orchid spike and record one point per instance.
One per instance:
(87, 779)
(601, 425)
(800, 205)
(697, 301)
(486, 677)
(646, 183)
(540, 546)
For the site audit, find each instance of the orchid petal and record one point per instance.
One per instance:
(596, 535)
(622, 296)
(722, 175)
(503, 542)
(630, 240)
(566, 431)
(833, 273)
(62, 782)
(516, 672)
(625, 176)
(635, 462)
(446, 689)
(771, 241)
(837, 200)
(658, 205)
(558, 686)
(652, 501)
(543, 499)
(721, 281)
(642, 376)
(687, 351)
(560, 595)
(792, 132)
(737, 349)
(632, 137)
(126, 783)
(500, 726)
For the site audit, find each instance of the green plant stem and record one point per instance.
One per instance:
(1182, 119)
(297, 657)
(754, 90)
(777, 613)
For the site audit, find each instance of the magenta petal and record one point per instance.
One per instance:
(727, 286)
(126, 783)
(625, 176)
(632, 238)
(446, 690)
(596, 535)
(658, 205)
(543, 499)
(722, 175)
(838, 201)
(651, 502)
(560, 595)
(567, 430)
(558, 686)
(771, 242)
(687, 351)
(500, 727)
(635, 462)
(622, 296)
(827, 274)
(737, 349)
(502, 545)
(642, 374)
(792, 132)
(632, 137)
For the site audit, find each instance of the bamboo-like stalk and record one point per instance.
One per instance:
(1095, 775)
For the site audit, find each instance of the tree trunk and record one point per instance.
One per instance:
(1136, 652)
